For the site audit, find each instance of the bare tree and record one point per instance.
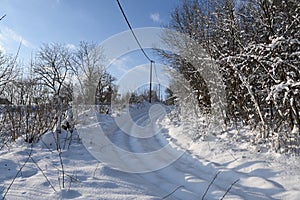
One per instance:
(8, 71)
(89, 60)
(52, 69)
(52, 66)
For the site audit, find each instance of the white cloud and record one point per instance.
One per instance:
(155, 17)
(120, 65)
(2, 49)
(8, 35)
(2, 39)
(72, 47)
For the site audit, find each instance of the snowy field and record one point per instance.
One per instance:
(223, 167)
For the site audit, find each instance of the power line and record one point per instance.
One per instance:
(2, 17)
(136, 39)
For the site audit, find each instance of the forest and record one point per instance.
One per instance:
(255, 45)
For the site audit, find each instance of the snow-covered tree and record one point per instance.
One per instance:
(105, 91)
(256, 45)
(89, 68)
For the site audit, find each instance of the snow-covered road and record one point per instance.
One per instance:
(146, 158)
(173, 173)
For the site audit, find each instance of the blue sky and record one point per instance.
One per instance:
(71, 21)
(35, 22)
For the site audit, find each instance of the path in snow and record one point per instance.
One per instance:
(156, 176)
(191, 176)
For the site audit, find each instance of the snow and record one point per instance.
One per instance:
(226, 158)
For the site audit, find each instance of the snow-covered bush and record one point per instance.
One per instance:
(29, 122)
(256, 45)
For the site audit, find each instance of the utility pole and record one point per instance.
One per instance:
(159, 98)
(150, 91)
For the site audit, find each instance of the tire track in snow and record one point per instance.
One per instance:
(194, 177)
(174, 174)
(193, 174)
(167, 178)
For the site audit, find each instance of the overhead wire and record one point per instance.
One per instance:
(2, 17)
(142, 49)
(135, 37)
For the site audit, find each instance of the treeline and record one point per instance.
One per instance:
(257, 50)
(57, 78)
